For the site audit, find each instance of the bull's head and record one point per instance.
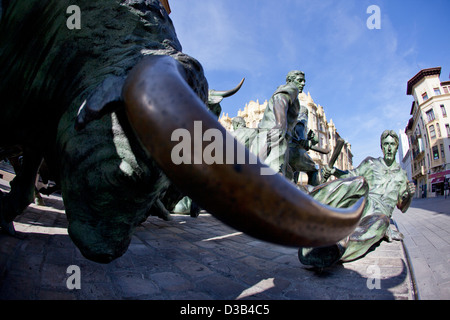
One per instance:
(158, 101)
(109, 178)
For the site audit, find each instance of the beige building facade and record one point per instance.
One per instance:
(428, 131)
(325, 131)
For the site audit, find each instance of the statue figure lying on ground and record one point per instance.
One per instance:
(100, 105)
(387, 186)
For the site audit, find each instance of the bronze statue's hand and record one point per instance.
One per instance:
(327, 172)
(305, 144)
(411, 188)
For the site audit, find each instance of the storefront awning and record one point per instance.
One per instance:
(438, 180)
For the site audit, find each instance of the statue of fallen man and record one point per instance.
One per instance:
(385, 186)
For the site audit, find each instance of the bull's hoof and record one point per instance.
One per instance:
(195, 210)
(7, 228)
(39, 201)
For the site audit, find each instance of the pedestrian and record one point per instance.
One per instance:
(446, 188)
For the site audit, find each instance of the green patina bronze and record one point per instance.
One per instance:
(107, 180)
(386, 186)
(270, 141)
(300, 143)
(92, 103)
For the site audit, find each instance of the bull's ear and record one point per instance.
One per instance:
(166, 5)
(159, 103)
(106, 98)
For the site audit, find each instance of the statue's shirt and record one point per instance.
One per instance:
(387, 185)
(288, 94)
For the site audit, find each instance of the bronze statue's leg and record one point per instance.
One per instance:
(313, 178)
(158, 209)
(340, 194)
(38, 198)
(370, 230)
(22, 190)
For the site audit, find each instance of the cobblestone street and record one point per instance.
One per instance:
(187, 258)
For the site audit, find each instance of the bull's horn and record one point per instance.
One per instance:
(166, 5)
(229, 93)
(159, 101)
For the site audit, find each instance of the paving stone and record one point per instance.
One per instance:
(426, 225)
(132, 285)
(220, 287)
(171, 281)
(193, 268)
(189, 259)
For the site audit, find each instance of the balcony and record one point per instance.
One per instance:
(417, 149)
(418, 171)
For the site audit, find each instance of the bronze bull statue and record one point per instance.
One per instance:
(99, 104)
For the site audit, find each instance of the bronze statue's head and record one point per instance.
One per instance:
(389, 145)
(297, 78)
(238, 122)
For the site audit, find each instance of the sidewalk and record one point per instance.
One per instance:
(187, 258)
(426, 227)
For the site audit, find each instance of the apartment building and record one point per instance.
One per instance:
(428, 132)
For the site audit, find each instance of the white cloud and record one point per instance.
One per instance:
(216, 36)
(358, 75)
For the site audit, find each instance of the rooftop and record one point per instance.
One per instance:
(420, 75)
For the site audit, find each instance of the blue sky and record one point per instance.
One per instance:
(358, 75)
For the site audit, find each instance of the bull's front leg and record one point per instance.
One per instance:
(22, 191)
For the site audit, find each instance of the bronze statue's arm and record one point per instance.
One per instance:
(280, 108)
(340, 173)
(327, 172)
(405, 197)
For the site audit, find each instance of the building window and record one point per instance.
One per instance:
(438, 130)
(435, 153)
(424, 96)
(437, 92)
(432, 132)
(447, 127)
(430, 115)
(444, 112)
(442, 151)
(445, 89)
